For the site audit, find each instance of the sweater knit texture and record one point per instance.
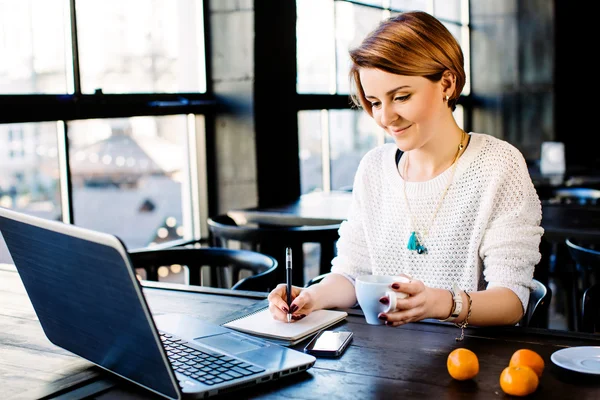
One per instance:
(486, 233)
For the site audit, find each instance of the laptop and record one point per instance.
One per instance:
(88, 300)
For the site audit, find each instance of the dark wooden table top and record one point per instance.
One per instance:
(382, 362)
(561, 221)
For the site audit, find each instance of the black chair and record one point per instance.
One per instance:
(260, 269)
(590, 310)
(536, 315)
(586, 259)
(537, 308)
(272, 240)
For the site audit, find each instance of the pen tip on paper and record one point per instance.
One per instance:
(289, 317)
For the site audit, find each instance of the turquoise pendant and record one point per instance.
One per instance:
(413, 244)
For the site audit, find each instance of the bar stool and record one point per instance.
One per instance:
(272, 239)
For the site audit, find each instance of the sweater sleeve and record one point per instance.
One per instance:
(510, 245)
(352, 257)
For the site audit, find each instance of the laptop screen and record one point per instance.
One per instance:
(89, 302)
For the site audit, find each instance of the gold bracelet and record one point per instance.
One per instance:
(464, 324)
(449, 317)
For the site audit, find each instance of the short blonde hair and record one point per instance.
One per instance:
(412, 44)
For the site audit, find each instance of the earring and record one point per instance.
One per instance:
(447, 97)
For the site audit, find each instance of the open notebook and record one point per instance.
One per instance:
(261, 323)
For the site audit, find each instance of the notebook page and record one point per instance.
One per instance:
(263, 324)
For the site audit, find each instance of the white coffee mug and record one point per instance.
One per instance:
(370, 288)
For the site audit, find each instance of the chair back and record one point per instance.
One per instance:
(537, 309)
(247, 270)
(586, 257)
(590, 310)
(272, 239)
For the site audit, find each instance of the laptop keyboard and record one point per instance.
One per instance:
(206, 366)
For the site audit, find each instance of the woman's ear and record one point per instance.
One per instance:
(448, 82)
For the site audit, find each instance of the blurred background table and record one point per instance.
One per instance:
(317, 208)
(309, 226)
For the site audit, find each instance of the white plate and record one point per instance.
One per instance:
(584, 359)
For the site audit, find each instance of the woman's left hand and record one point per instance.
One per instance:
(418, 305)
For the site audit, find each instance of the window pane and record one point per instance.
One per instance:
(32, 47)
(29, 181)
(410, 5)
(316, 46)
(128, 176)
(141, 46)
(352, 24)
(311, 152)
(447, 9)
(353, 133)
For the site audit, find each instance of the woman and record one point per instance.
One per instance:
(455, 212)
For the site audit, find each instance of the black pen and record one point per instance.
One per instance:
(288, 280)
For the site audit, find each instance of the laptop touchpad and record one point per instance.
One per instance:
(229, 343)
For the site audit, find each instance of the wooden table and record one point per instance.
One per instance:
(562, 221)
(381, 362)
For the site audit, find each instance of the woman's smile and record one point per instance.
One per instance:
(397, 131)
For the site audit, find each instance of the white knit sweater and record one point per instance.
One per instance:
(486, 233)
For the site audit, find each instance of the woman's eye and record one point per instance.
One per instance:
(375, 104)
(401, 98)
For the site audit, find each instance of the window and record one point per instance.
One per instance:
(33, 46)
(332, 136)
(141, 47)
(29, 165)
(108, 103)
(132, 170)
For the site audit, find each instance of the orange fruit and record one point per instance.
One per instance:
(462, 364)
(519, 381)
(528, 358)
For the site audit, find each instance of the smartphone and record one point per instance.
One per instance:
(329, 343)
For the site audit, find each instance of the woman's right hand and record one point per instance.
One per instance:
(302, 303)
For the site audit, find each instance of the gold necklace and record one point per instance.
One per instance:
(413, 241)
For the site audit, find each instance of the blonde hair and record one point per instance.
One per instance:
(412, 44)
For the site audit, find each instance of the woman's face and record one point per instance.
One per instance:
(409, 108)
